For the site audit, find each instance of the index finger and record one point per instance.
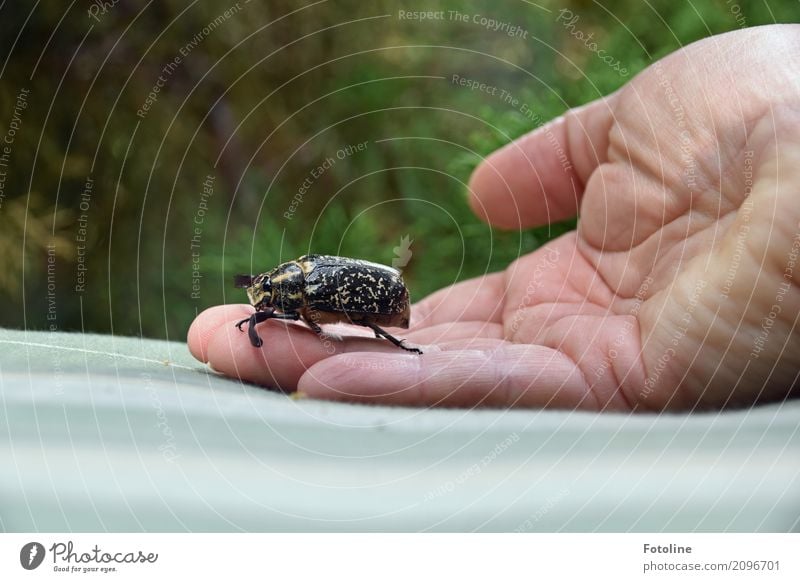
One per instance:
(289, 349)
(539, 178)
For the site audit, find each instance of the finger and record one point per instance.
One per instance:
(511, 375)
(478, 299)
(288, 349)
(459, 330)
(206, 324)
(539, 178)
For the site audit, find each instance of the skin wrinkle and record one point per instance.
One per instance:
(591, 293)
(767, 178)
(621, 380)
(575, 134)
(619, 391)
(734, 193)
(517, 387)
(688, 246)
(550, 319)
(500, 384)
(662, 345)
(684, 387)
(606, 307)
(667, 181)
(506, 381)
(556, 337)
(631, 366)
(671, 241)
(530, 142)
(755, 250)
(511, 395)
(525, 385)
(635, 152)
(586, 388)
(449, 365)
(611, 293)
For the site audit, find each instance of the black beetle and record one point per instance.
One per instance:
(327, 289)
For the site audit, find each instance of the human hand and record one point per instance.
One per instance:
(679, 289)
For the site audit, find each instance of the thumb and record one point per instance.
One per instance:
(539, 178)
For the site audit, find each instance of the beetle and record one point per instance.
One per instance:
(327, 289)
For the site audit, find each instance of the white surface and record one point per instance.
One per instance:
(88, 425)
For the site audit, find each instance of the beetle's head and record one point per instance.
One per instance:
(259, 289)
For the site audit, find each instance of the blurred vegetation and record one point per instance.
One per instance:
(261, 98)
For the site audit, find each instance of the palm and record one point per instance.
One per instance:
(655, 302)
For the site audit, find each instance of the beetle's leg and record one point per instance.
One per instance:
(251, 329)
(258, 317)
(293, 316)
(379, 332)
(314, 326)
(255, 319)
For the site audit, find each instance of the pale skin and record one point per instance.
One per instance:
(680, 289)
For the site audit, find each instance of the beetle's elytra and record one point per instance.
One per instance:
(327, 289)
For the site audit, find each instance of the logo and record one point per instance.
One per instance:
(31, 555)
(402, 253)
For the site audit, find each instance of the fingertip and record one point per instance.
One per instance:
(207, 322)
(229, 352)
(491, 197)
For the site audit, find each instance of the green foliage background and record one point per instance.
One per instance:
(260, 101)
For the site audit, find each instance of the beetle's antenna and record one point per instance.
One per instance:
(242, 281)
